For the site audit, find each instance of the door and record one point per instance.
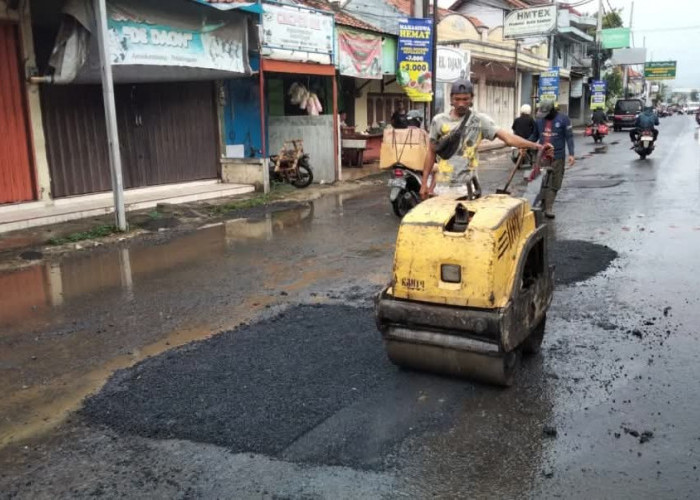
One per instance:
(170, 132)
(500, 98)
(16, 179)
(167, 133)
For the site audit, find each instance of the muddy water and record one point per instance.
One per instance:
(66, 327)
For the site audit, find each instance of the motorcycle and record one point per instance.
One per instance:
(644, 145)
(292, 165)
(405, 187)
(598, 131)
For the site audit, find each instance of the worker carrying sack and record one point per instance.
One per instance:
(447, 146)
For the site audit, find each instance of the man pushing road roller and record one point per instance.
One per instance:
(455, 138)
(471, 280)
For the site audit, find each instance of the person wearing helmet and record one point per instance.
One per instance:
(646, 120)
(524, 125)
(456, 168)
(554, 128)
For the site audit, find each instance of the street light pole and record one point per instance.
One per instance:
(115, 159)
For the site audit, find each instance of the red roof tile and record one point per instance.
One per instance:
(443, 13)
(515, 4)
(341, 17)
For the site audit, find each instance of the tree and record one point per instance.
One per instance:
(612, 19)
(613, 82)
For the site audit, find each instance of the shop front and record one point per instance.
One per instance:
(299, 85)
(365, 59)
(16, 167)
(165, 61)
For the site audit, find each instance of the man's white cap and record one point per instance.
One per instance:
(525, 109)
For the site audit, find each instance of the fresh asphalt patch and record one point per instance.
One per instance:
(310, 385)
(577, 260)
(298, 386)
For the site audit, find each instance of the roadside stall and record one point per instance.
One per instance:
(299, 84)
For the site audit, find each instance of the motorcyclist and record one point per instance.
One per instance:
(599, 117)
(646, 120)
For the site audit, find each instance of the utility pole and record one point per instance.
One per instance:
(433, 58)
(115, 159)
(516, 104)
(626, 75)
(598, 41)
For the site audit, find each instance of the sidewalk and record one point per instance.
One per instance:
(28, 215)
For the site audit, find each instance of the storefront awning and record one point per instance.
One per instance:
(152, 43)
(252, 7)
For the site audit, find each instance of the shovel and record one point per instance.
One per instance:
(512, 174)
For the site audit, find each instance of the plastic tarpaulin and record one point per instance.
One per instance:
(148, 44)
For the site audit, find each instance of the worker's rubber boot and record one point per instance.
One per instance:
(549, 197)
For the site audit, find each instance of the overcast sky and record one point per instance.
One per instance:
(662, 22)
(669, 29)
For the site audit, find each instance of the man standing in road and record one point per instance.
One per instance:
(456, 168)
(554, 128)
(524, 125)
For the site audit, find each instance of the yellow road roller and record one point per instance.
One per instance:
(470, 289)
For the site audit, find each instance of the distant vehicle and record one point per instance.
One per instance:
(692, 108)
(644, 145)
(626, 111)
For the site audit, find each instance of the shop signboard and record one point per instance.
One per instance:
(359, 54)
(525, 23)
(452, 64)
(598, 91)
(615, 38)
(660, 70)
(548, 89)
(414, 72)
(223, 46)
(289, 30)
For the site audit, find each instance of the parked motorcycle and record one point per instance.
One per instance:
(405, 187)
(292, 165)
(644, 145)
(598, 131)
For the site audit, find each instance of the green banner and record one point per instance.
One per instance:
(660, 70)
(615, 38)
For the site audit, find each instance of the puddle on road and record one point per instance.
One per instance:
(57, 349)
(27, 293)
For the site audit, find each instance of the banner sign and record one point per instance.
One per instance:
(359, 54)
(452, 64)
(615, 38)
(414, 71)
(223, 46)
(548, 89)
(660, 70)
(524, 23)
(598, 92)
(626, 57)
(296, 29)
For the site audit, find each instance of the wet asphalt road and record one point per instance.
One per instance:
(299, 401)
